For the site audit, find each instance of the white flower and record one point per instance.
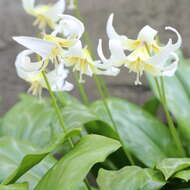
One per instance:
(70, 27)
(146, 54)
(44, 14)
(49, 48)
(32, 73)
(80, 59)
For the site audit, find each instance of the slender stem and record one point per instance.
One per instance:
(54, 101)
(112, 120)
(58, 112)
(88, 41)
(81, 89)
(173, 130)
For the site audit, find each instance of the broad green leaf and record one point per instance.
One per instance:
(178, 97)
(21, 186)
(171, 166)
(30, 119)
(184, 174)
(34, 158)
(70, 171)
(139, 131)
(12, 153)
(152, 105)
(78, 115)
(130, 178)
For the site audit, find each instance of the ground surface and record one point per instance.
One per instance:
(130, 16)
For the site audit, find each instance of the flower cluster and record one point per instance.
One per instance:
(144, 53)
(62, 48)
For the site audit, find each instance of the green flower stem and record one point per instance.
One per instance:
(111, 118)
(82, 91)
(59, 116)
(173, 130)
(58, 112)
(88, 41)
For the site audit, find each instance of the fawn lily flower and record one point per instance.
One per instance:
(45, 14)
(69, 28)
(146, 54)
(48, 49)
(80, 59)
(32, 73)
(162, 63)
(146, 37)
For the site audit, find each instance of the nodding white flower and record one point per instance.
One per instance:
(146, 54)
(80, 59)
(71, 5)
(44, 14)
(32, 73)
(70, 27)
(49, 48)
(162, 63)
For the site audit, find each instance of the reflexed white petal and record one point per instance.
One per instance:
(147, 34)
(116, 50)
(25, 68)
(54, 12)
(177, 45)
(56, 79)
(161, 58)
(39, 46)
(170, 69)
(28, 5)
(70, 26)
(112, 34)
(100, 51)
(117, 54)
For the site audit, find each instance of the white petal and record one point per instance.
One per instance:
(54, 12)
(70, 26)
(112, 34)
(116, 50)
(25, 68)
(39, 46)
(100, 51)
(28, 5)
(56, 79)
(172, 67)
(76, 50)
(147, 34)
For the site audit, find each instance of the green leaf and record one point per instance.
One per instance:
(34, 158)
(130, 178)
(69, 172)
(21, 186)
(152, 105)
(13, 152)
(185, 175)
(30, 119)
(178, 97)
(139, 131)
(170, 166)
